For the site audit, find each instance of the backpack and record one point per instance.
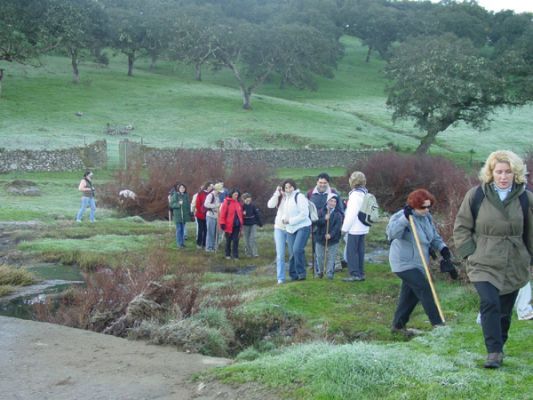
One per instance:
(369, 212)
(313, 212)
(479, 195)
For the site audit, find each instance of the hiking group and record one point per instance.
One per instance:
(493, 234)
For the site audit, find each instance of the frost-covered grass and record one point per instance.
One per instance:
(380, 371)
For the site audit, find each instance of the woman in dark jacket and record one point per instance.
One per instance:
(231, 221)
(497, 242)
(181, 211)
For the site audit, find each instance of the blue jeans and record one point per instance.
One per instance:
(180, 235)
(297, 262)
(211, 238)
(320, 251)
(280, 239)
(86, 202)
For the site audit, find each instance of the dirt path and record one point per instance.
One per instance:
(45, 361)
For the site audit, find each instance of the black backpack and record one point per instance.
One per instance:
(479, 195)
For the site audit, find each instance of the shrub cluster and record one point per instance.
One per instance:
(153, 183)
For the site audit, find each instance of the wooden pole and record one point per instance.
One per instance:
(423, 258)
(326, 247)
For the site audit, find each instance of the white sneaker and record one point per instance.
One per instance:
(527, 317)
(280, 282)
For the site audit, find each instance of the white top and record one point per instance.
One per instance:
(297, 213)
(273, 203)
(351, 224)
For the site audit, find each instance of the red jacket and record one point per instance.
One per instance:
(228, 210)
(201, 211)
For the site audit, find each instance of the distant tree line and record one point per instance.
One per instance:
(447, 62)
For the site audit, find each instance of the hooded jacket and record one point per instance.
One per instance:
(180, 212)
(493, 244)
(229, 211)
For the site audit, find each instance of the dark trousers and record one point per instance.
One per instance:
(415, 288)
(202, 232)
(496, 313)
(355, 255)
(232, 242)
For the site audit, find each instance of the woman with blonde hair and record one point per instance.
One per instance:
(356, 230)
(496, 239)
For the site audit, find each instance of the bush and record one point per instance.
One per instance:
(392, 176)
(192, 168)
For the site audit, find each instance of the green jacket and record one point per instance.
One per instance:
(181, 212)
(494, 247)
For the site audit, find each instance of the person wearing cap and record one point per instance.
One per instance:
(86, 187)
(212, 205)
(327, 236)
(252, 219)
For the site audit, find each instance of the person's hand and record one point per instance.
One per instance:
(445, 253)
(223, 227)
(446, 265)
(327, 216)
(407, 211)
(328, 236)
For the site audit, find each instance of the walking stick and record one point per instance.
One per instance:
(326, 247)
(419, 247)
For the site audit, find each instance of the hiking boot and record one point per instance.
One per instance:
(406, 332)
(494, 360)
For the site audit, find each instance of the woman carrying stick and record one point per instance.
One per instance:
(406, 261)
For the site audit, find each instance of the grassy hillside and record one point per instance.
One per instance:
(169, 108)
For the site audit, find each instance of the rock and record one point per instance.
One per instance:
(23, 188)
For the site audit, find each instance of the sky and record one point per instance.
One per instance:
(517, 6)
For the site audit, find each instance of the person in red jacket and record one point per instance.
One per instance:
(231, 221)
(200, 214)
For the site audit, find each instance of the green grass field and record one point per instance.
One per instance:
(168, 108)
(353, 354)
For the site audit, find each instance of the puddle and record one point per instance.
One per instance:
(378, 256)
(53, 279)
(238, 270)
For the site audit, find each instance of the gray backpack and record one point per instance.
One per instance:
(369, 212)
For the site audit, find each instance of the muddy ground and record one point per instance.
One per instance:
(46, 361)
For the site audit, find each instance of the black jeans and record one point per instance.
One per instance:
(232, 242)
(202, 232)
(415, 288)
(496, 311)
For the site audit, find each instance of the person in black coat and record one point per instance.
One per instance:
(252, 219)
(328, 236)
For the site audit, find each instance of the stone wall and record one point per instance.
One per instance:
(93, 155)
(274, 158)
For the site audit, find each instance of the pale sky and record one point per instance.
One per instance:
(517, 6)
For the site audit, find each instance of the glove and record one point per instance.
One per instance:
(446, 265)
(407, 211)
(445, 253)
(223, 227)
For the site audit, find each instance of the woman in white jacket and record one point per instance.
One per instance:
(279, 201)
(298, 227)
(356, 230)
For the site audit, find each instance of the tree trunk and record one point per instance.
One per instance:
(131, 60)
(153, 61)
(368, 53)
(1, 77)
(74, 62)
(432, 133)
(198, 72)
(246, 98)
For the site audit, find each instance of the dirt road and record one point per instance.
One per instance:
(46, 361)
